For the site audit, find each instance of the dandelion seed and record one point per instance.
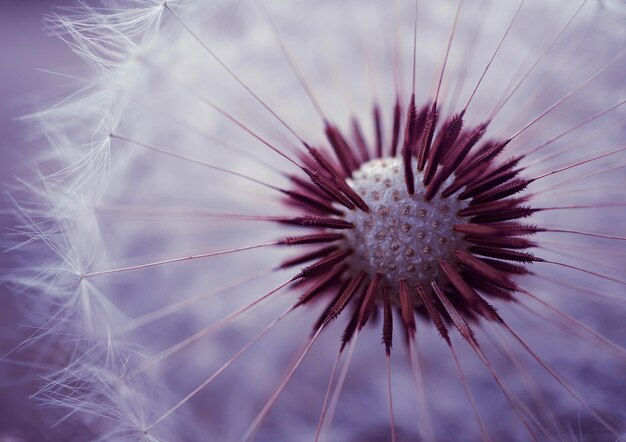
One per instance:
(211, 284)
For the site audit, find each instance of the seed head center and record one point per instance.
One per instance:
(403, 236)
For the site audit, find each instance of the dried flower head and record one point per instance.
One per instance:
(243, 191)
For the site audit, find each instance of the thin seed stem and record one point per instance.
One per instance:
(468, 392)
(560, 380)
(568, 95)
(585, 206)
(160, 313)
(268, 405)
(392, 422)
(575, 127)
(232, 74)
(493, 56)
(537, 61)
(204, 332)
(303, 83)
(589, 272)
(191, 160)
(560, 185)
(327, 394)
(338, 388)
(425, 420)
(561, 283)
(445, 60)
(220, 111)
(210, 379)
(578, 232)
(169, 213)
(598, 338)
(414, 47)
(181, 259)
(580, 163)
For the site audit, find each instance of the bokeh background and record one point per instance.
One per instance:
(33, 69)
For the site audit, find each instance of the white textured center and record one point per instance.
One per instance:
(403, 236)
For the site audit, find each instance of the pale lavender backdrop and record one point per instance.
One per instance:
(25, 49)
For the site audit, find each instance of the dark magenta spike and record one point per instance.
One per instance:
(435, 184)
(387, 338)
(464, 180)
(309, 256)
(482, 284)
(409, 178)
(322, 283)
(435, 154)
(369, 300)
(322, 160)
(446, 138)
(427, 138)
(479, 173)
(501, 229)
(482, 185)
(348, 332)
(476, 265)
(492, 150)
(406, 308)
(307, 186)
(432, 311)
(475, 229)
(507, 242)
(460, 141)
(496, 169)
(463, 307)
(502, 191)
(338, 180)
(378, 131)
(419, 126)
(359, 140)
(504, 215)
(324, 264)
(346, 296)
(475, 153)
(352, 196)
(317, 221)
(507, 255)
(506, 267)
(494, 206)
(342, 149)
(463, 147)
(307, 158)
(446, 307)
(395, 134)
(517, 229)
(323, 319)
(313, 203)
(455, 158)
(314, 238)
(331, 191)
(473, 299)
(410, 139)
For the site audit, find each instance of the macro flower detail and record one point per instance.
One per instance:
(244, 198)
(408, 239)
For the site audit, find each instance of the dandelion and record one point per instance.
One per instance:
(245, 196)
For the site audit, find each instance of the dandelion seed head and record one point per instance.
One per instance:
(165, 156)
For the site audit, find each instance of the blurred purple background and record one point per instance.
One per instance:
(26, 48)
